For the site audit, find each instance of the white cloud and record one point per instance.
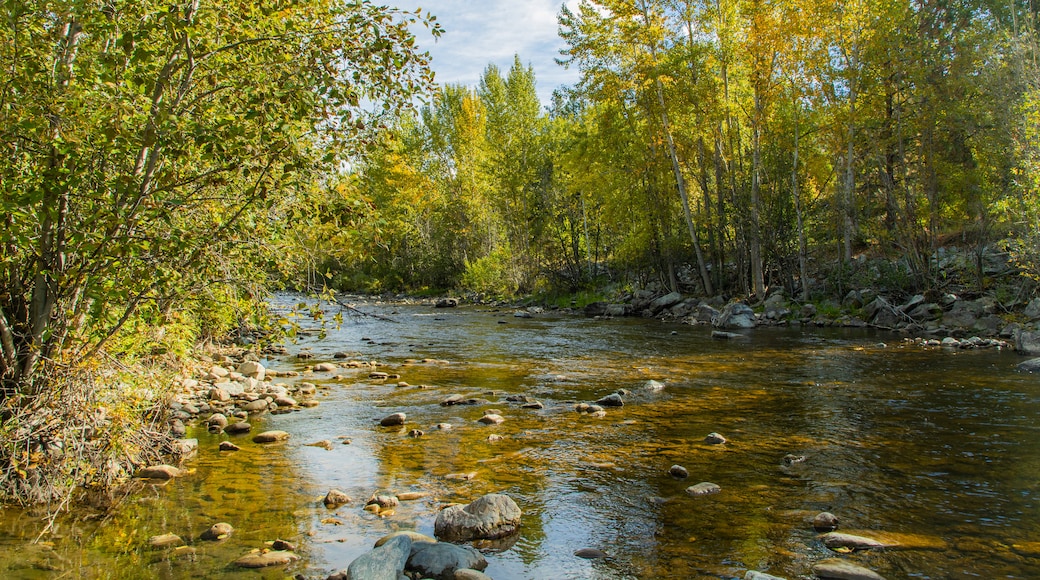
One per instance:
(492, 31)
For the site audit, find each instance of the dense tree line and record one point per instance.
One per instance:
(714, 145)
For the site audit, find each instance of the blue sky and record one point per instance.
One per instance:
(480, 32)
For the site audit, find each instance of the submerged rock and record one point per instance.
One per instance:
(163, 541)
(440, 560)
(703, 488)
(714, 439)
(266, 559)
(159, 472)
(678, 472)
(271, 437)
(217, 532)
(591, 554)
(825, 522)
(489, 517)
(611, 400)
(752, 575)
(835, 540)
(843, 570)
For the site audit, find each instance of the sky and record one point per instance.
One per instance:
(477, 33)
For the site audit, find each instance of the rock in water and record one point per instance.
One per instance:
(393, 420)
(490, 517)
(825, 522)
(271, 437)
(834, 540)
(335, 498)
(159, 472)
(703, 488)
(217, 532)
(752, 575)
(714, 439)
(590, 554)
(611, 400)
(266, 559)
(678, 472)
(440, 560)
(386, 562)
(839, 569)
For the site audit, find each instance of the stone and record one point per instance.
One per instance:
(218, 420)
(252, 369)
(412, 495)
(220, 395)
(440, 560)
(285, 401)
(825, 522)
(447, 303)
(611, 400)
(839, 569)
(238, 428)
(324, 367)
(185, 448)
(467, 574)
(266, 559)
(1030, 366)
(159, 472)
(282, 546)
(714, 439)
(164, 541)
(723, 335)
(491, 419)
(666, 301)
(489, 517)
(386, 562)
(590, 554)
(335, 498)
(257, 406)
(835, 540)
(735, 315)
(703, 488)
(384, 501)
(1032, 310)
(217, 372)
(216, 532)
(752, 575)
(229, 446)
(393, 420)
(1027, 342)
(653, 386)
(451, 400)
(270, 437)
(414, 536)
(790, 460)
(678, 472)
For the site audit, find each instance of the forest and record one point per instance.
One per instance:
(712, 147)
(166, 165)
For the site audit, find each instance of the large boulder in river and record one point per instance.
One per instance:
(1030, 366)
(735, 315)
(440, 560)
(1027, 342)
(386, 562)
(493, 516)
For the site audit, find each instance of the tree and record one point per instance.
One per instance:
(146, 143)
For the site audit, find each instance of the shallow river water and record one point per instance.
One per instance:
(938, 447)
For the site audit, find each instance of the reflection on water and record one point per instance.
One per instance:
(941, 447)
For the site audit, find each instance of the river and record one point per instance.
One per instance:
(939, 446)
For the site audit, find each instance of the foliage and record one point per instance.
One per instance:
(151, 148)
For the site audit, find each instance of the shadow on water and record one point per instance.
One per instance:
(940, 447)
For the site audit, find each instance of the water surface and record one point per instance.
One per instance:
(941, 446)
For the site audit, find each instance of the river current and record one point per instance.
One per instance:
(937, 447)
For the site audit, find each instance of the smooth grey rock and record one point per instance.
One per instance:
(839, 540)
(611, 400)
(1030, 366)
(666, 301)
(714, 439)
(839, 569)
(752, 575)
(735, 315)
(440, 560)
(825, 522)
(678, 472)
(1032, 310)
(653, 386)
(393, 420)
(386, 562)
(1027, 342)
(703, 488)
(492, 516)
(266, 559)
(467, 574)
(591, 554)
